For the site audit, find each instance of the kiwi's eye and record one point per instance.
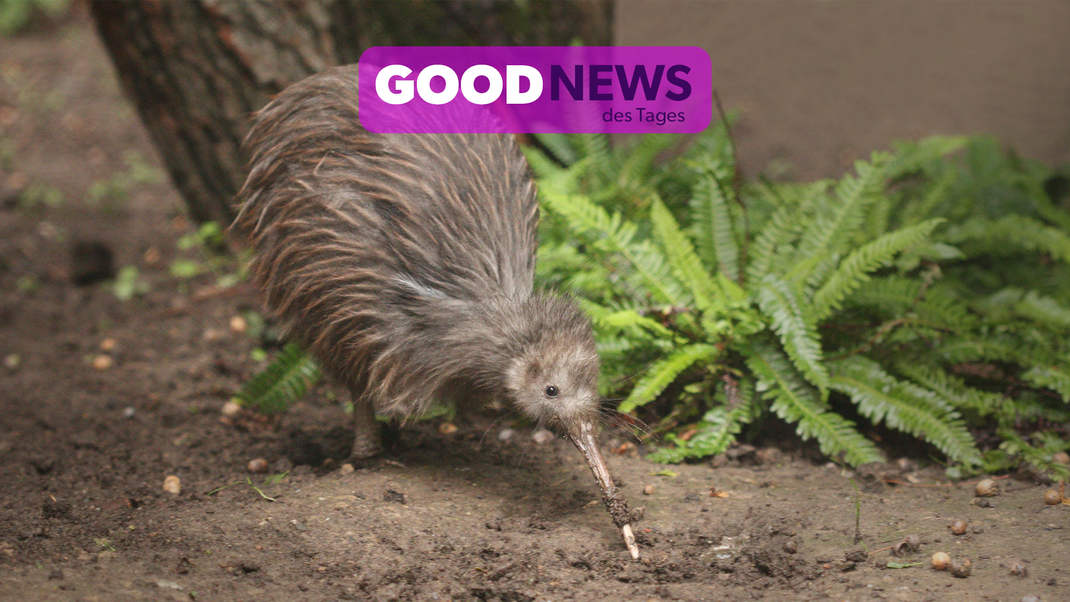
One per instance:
(551, 391)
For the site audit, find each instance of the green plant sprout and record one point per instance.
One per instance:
(923, 292)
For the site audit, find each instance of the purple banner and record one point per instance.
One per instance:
(535, 89)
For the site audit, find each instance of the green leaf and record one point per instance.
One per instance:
(797, 402)
(185, 269)
(685, 263)
(715, 432)
(780, 231)
(912, 156)
(905, 407)
(1043, 309)
(712, 221)
(628, 320)
(665, 473)
(664, 372)
(620, 236)
(798, 336)
(834, 225)
(855, 268)
(283, 382)
(901, 565)
(1015, 230)
(953, 390)
(1052, 377)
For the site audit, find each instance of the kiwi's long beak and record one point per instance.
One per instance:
(582, 436)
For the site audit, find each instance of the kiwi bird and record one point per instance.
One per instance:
(405, 264)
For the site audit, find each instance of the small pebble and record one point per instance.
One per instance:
(172, 484)
(12, 361)
(103, 362)
(906, 465)
(1030, 598)
(648, 490)
(958, 527)
(151, 256)
(855, 556)
(1052, 497)
(506, 434)
(960, 567)
(238, 324)
(347, 468)
(1019, 570)
(791, 546)
(447, 428)
(1061, 458)
(129, 412)
(909, 544)
(108, 344)
(258, 465)
(231, 409)
(212, 335)
(542, 436)
(978, 529)
(986, 488)
(940, 561)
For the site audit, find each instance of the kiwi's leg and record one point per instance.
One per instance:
(367, 438)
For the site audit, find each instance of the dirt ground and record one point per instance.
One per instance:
(86, 443)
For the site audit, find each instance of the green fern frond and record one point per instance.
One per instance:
(683, 259)
(712, 224)
(636, 170)
(543, 166)
(559, 145)
(1040, 457)
(855, 268)
(913, 156)
(773, 248)
(905, 407)
(953, 389)
(836, 222)
(934, 308)
(942, 310)
(890, 294)
(798, 335)
(715, 432)
(971, 349)
(1050, 377)
(593, 146)
(283, 382)
(620, 236)
(1044, 310)
(663, 372)
(1014, 230)
(625, 320)
(797, 402)
(917, 209)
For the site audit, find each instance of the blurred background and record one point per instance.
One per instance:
(815, 84)
(821, 83)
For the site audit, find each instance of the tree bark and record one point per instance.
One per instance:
(197, 69)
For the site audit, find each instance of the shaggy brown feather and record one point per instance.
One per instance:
(405, 264)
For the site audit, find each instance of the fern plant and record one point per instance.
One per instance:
(922, 292)
(285, 380)
(729, 302)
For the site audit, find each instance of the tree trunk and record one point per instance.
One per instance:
(197, 69)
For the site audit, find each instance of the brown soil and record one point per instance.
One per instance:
(462, 516)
